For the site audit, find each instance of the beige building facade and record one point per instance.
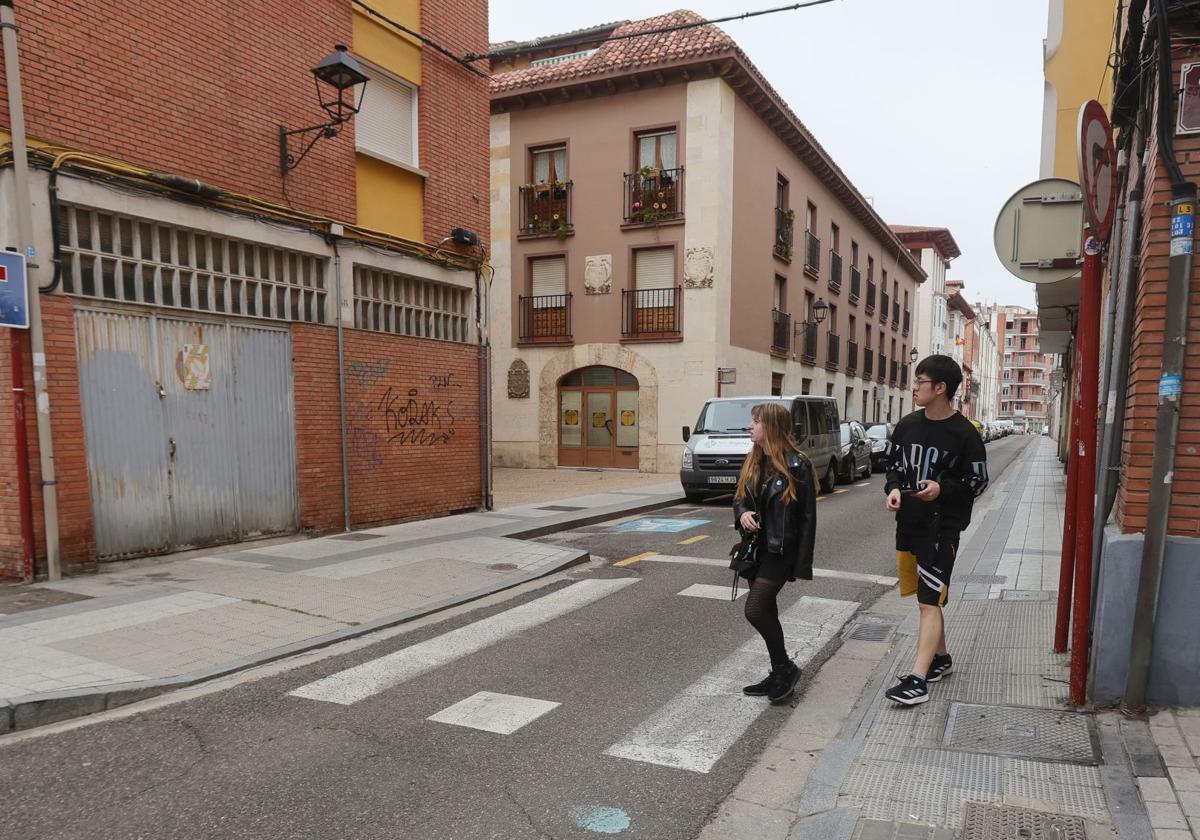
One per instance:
(663, 228)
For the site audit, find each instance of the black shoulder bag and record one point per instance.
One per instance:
(743, 557)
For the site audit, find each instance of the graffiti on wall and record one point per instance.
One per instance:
(365, 444)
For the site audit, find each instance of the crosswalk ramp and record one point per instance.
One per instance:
(690, 732)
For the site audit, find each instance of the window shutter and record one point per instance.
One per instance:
(384, 126)
(548, 276)
(655, 268)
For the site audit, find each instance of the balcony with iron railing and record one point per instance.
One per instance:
(653, 196)
(884, 306)
(835, 271)
(651, 314)
(809, 351)
(851, 356)
(881, 368)
(545, 210)
(893, 372)
(907, 321)
(895, 314)
(903, 376)
(544, 319)
(833, 351)
(869, 306)
(785, 226)
(868, 369)
(855, 283)
(812, 255)
(781, 333)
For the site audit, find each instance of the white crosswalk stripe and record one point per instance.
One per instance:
(882, 580)
(362, 681)
(488, 711)
(694, 729)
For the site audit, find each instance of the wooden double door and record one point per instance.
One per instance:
(598, 420)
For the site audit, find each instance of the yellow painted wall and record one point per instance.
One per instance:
(1074, 67)
(390, 199)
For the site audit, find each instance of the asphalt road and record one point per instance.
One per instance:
(604, 657)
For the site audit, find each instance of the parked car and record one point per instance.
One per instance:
(855, 455)
(879, 434)
(720, 442)
(978, 427)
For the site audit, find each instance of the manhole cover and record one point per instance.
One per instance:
(1040, 734)
(560, 507)
(982, 821)
(502, 567)
(870, 628)
(356, 537)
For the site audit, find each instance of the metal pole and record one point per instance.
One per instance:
(1170, 390)
(16, 356)
(1066, 571)
(24, 212)
(341, 365)
(1087, 334)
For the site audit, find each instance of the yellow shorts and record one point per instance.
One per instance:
(930, 583)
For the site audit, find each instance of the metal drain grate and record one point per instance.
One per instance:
(356, 537)
(982, 821)
(1039, 734)
(871, 628)
(560, 507)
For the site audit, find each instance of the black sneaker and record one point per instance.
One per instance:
(909, 691)
(941, 666)
(784, 684)
(760, 689)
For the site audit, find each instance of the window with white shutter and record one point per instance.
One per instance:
(386, 126)
(654, 268)
(548, 281)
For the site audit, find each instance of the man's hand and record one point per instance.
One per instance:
(749, 521)
(892, 502)
(930, 491)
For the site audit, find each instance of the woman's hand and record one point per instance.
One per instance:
(749, 521)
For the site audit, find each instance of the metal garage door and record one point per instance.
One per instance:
(190, 431)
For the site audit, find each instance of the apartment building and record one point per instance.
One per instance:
(934, 248)
(1025, 380)
(665, 229)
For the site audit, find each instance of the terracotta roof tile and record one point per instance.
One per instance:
(941, 238)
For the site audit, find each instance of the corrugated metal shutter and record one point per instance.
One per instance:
(384, 126)
(655, 268)
(548, 276)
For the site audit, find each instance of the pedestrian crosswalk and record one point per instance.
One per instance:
(690, 732)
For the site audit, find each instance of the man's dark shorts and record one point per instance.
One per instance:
(924, 565)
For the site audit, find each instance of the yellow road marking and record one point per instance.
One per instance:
(629, 561)
(691, 540)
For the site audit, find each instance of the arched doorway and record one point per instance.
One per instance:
(598, 418)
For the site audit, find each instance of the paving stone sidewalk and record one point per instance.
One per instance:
(997, 750)
(141, 628)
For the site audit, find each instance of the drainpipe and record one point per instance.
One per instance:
(341, 365)
(485, 396)
(12, 73)
(16, 350)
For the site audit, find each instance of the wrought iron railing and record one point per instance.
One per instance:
(895, 314)
(903, 376)
(855, 283)
(785, 226)
(868, 363)
(881, 368)
(907, 321)
(835, 271)
(884, 308)
(653, 195)
(894, 372)
(651, 313)
(833, 351)
(544, 319)
(546, 210)
(851, 356)
(812, 253)
(781, 332)
(870, 304)
(810, 342)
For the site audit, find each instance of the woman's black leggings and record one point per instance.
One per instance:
(763, 612)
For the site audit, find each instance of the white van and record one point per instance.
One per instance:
(720, 442)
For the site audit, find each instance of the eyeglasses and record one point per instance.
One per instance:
(917, 383)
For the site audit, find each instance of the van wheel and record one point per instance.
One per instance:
(829, 480)
(694, 497)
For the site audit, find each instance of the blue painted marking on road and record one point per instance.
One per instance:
(601, 820)
(649, 524)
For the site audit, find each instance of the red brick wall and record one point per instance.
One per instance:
(412, 413)
(77, 545)
(1137, 449)
(454, 120)
(191, 88)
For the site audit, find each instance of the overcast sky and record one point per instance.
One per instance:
(932, 107)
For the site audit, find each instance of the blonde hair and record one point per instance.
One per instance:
(777, 445)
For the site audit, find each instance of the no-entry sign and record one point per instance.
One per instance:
(1097, 168)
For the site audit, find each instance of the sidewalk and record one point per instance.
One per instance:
(997, 752)
(140, 628)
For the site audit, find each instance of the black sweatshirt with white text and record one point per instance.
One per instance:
(950, 452)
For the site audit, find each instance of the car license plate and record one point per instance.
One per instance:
(722, 479)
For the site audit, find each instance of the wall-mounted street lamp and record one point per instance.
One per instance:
(913, 355)
(341, 73)
(819, 311)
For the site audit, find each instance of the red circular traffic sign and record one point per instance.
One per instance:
(1097, 168)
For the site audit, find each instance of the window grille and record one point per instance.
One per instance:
(404, 305)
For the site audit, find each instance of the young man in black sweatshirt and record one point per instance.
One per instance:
(936, 467)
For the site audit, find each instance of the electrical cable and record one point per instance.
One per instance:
(1166, 144)
(458, 59)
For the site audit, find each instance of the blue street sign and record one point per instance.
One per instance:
(14, 291)
(653, 525)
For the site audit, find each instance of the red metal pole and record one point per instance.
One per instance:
(1088, 348)
(1066, 570)
(17, 359)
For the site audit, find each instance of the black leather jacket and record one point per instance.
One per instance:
(790, 528)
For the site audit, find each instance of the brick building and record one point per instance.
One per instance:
(1025, 376)
(194, 291)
